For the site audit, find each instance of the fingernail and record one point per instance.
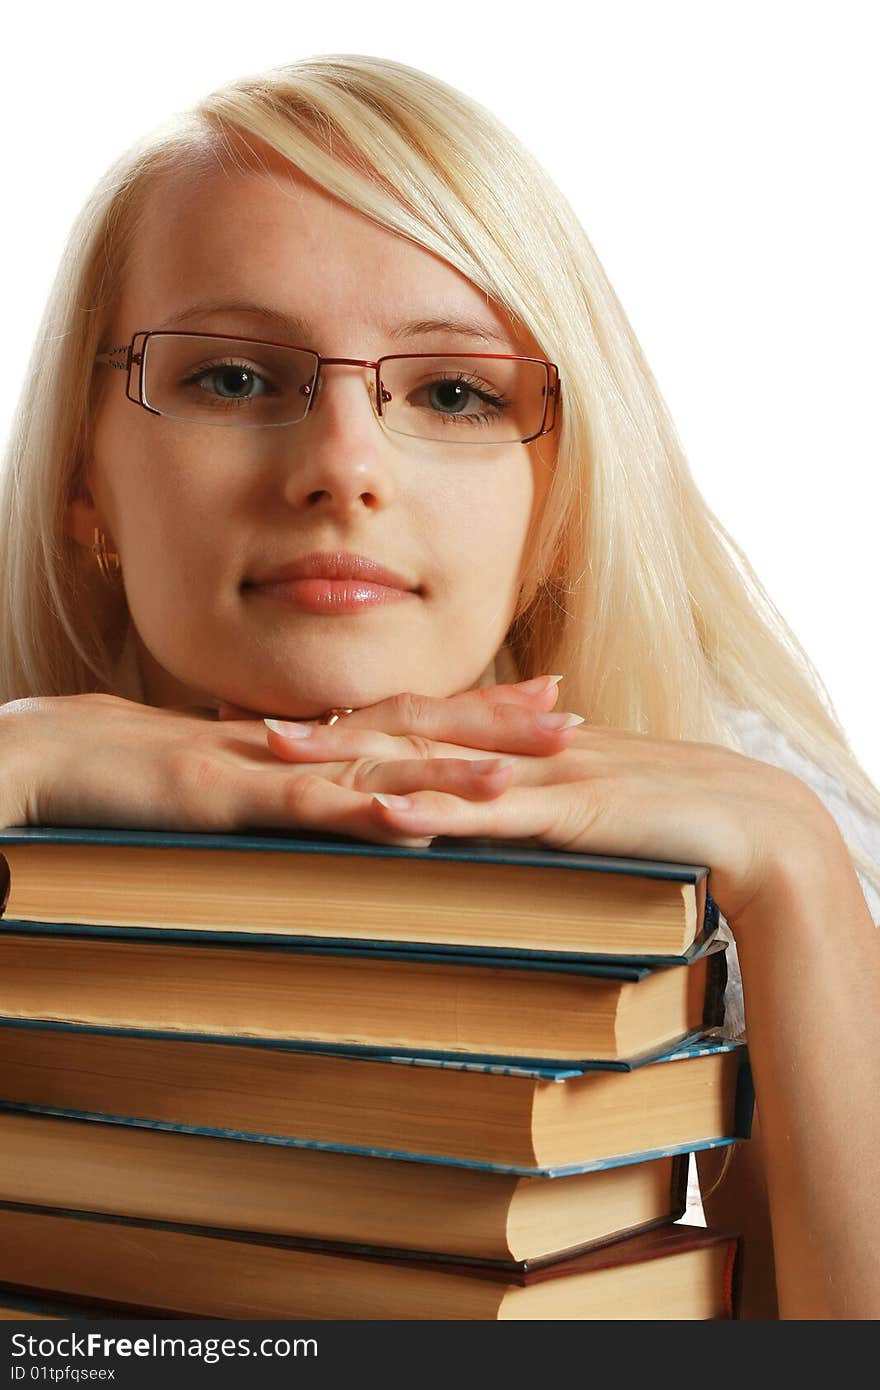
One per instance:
(538, 685)
(485, 766)
(392, 803)
(558, 721)
(288, 729)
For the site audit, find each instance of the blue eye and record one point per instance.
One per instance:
(233, 377)
(449, 396)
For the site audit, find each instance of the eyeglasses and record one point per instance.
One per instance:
(456, 398)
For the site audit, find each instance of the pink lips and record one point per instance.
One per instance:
(333, 582)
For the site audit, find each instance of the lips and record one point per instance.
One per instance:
(335, 565)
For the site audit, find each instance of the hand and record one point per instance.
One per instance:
(612, 792)
(100, 760)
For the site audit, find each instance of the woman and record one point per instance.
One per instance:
(196, 469)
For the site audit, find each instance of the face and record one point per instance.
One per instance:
(198, 513)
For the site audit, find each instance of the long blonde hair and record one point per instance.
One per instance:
(634, 588)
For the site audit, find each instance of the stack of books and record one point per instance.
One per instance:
(273, 1077)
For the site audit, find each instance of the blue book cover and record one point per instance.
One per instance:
(708, 1043)
(276, 993)
(500, 900)
(569, 963)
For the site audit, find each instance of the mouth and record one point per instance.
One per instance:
(333, 583)
(332, 596)
(330, 565)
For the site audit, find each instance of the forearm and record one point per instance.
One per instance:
(810, 959)
(16, 758)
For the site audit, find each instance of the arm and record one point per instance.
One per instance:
(98, 759)
(810, 959)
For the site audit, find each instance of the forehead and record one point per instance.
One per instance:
(279, 239)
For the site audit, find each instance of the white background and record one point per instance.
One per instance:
(722, 158)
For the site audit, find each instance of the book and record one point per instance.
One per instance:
(674, 1272)
(529, 1119)
(358, 1080)
(479, 893)
(422, 1003)
(444, 1210)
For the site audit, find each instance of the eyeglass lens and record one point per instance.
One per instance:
(222, 381)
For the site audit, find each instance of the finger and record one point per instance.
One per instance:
(519, 812)
(541, 692)
(299, 742)
(476, 779)
(413, 725)
(280, 802)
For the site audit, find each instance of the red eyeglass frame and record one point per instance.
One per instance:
(134, 356)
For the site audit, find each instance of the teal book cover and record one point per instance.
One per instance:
(480, 896)
(707, 1044)
(371, 1002)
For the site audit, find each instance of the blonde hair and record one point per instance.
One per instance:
(634, 589)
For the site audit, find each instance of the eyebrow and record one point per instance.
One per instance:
(296, 327)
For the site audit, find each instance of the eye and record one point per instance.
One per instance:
(450, 395)
(229, 381)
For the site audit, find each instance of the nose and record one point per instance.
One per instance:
(339, 455)
(347, 367)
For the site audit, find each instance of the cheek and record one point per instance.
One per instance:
(486, 521)
(163, 508)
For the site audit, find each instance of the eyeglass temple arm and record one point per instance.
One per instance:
(119, 357)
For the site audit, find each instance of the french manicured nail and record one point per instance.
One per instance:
(558, 721)
(484, 767)
(538, 685)
(288, 729)
(392, 803)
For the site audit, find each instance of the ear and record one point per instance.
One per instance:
(80, 521)
(81, 515)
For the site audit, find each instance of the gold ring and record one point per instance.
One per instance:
(331, 716)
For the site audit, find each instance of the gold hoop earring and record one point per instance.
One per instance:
(108, 560)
